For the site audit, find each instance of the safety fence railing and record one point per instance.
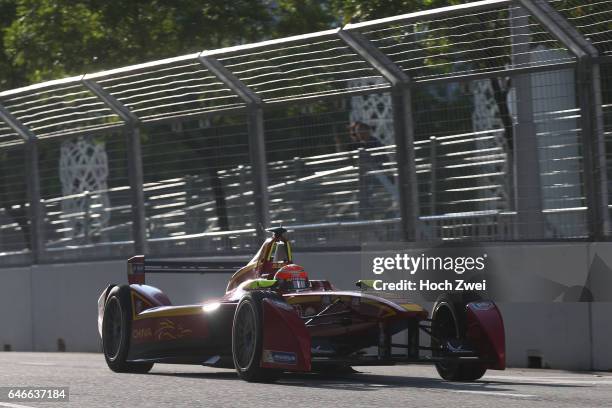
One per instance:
(488, 120)
(179, 209)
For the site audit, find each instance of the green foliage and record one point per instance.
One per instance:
(8, 74)
(360, 10)
(46, 39)
(303, 16)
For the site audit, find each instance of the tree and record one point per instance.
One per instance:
(293, 17)
(10, 75)
(47, 39)
(352, 11)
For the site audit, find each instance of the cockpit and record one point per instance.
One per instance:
(290, 276)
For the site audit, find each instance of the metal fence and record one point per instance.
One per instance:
(485, 121)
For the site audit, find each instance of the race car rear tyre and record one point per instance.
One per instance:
(449, 323)
(116, 329)
(247, 338)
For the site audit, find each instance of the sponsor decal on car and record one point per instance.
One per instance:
(168, 330)
(279, 357)
(143, 333)
(484, 305)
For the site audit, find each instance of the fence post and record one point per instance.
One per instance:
(136, 177)
(403, 127)
(259, 173)
(35, 213)
(257, 147)
(134, 159)
(591, 115)
(593, 142)
(526, 166)
(433, 181)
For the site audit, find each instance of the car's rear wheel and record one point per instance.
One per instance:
(247, 340)
(116, 327)
(447, 328)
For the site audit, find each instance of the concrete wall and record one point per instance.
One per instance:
(64, 301)
(16, 309)
(44, 303)
(558, 333)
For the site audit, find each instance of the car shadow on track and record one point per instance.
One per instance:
(360, 381)
(371, 382)
(219, 375)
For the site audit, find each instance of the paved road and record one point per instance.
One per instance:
(93, 385)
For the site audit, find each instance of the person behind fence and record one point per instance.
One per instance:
(371, 159)
(361, 136)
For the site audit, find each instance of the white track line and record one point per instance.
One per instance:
(495, 393)
(607, 380)
(554, 377)
(9, 405)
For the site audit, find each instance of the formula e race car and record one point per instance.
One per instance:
(274, 319)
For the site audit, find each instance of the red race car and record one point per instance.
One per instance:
(273, 319)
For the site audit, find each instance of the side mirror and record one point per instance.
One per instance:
(365, 284)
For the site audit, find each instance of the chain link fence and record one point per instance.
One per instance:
(490, 120)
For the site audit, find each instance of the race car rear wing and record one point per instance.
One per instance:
(137, 267)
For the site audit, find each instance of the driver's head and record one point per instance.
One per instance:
(292, 277)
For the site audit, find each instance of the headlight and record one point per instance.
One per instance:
(211, 307)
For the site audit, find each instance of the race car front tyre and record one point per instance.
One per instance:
(247, 338)
(116, 328)
(448, 326)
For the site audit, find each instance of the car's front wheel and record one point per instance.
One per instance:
(247, 339)
(447, 328)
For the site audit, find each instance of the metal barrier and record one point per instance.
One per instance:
(487, 121)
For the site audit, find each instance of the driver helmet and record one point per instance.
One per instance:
(292, 277)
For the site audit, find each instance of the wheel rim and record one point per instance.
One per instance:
(245, 336)
(113, 329)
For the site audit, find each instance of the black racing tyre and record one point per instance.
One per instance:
(116, 329)
(247, 338)
(449, 323)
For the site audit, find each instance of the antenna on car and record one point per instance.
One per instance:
(277, 231)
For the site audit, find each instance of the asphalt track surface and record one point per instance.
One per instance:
(92, 384)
